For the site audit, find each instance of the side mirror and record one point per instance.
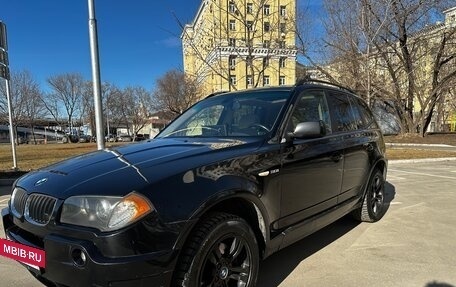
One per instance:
(309, 130)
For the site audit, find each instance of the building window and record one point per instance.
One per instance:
(232, 42)
(233, 80)
(249, 8)
(283, 11)
(267, 27)
(266, 9)
(283, 28)
(282, 62)
(250, 25)
(282, 44)
(281, 80)
(232, 25)
(265, 62)
(265, 80)
(249, 81)
(232, 7)
(266, 44)
(232, 62)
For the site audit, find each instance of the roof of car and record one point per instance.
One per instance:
(306, 82)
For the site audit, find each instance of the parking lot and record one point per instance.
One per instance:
(413, 245)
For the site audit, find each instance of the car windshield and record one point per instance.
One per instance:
(252, 113)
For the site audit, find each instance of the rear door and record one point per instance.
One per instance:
(355, 139)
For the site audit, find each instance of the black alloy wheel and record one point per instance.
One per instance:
(373, 207)
(221, 252)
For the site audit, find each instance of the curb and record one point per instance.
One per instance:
(420, 145)
(421, 160)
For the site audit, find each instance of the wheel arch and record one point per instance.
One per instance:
(241, 203)
(382, 165)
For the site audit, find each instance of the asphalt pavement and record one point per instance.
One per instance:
(413, 245)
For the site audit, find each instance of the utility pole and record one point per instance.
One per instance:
(96, 76)
(5, 74)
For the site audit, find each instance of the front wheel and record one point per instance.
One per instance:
(221, 251)
(373, 207)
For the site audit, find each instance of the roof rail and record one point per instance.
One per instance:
(215, 94)
(308, 80)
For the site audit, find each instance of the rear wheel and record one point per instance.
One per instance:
(374, 200)
(221, 251)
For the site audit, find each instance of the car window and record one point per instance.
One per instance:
(366, 115)
(311, 106)
(344, 117)
(235, 114)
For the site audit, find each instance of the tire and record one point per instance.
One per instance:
(373, 207)
(221, 251)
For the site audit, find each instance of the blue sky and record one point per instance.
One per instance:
(138, 40)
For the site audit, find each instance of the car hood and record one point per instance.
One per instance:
(121, 170)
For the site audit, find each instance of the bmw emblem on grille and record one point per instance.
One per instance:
(41, 181)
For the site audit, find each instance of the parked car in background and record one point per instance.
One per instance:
(235, 178)
(111, 138)
(124, 138)
(139, 137)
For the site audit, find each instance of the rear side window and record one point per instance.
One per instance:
(365, 113)
(344, 117)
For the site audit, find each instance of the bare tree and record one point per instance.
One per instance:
(108, 93)
(68, 91)
(175, 92)
(138, 110)
(25, 97)
(391, 51)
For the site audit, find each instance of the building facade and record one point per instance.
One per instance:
(239, 44)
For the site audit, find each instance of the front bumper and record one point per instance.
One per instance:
(65, 265)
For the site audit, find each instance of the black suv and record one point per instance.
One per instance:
(235, 178)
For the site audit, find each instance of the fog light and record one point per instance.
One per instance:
(79, 257)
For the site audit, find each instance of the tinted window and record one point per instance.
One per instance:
(233, 114)
(365, 113)
(311, 106)
(344, 118)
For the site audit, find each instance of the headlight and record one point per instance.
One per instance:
(105, 213)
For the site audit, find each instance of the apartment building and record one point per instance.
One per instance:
(239, 44)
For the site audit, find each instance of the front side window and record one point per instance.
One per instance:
(240, 114)
(310, 107)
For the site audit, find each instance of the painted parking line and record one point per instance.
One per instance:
(424, 174)
(395, 203)
(394, 177)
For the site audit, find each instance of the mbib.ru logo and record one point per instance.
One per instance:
(22, 253)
